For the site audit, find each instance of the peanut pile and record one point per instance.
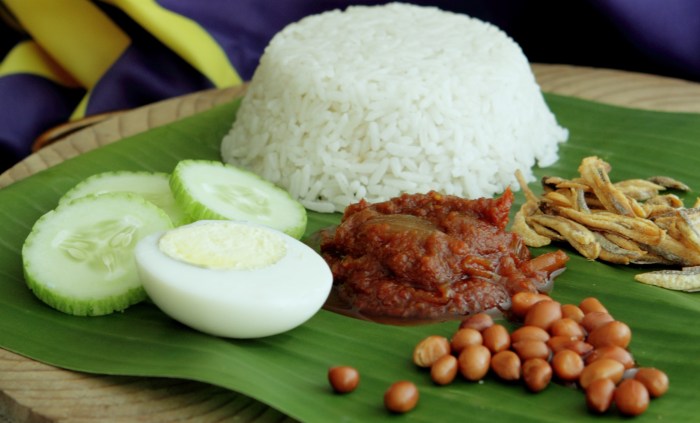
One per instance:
(579, 344)
(574, 344)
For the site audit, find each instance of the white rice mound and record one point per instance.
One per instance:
(376, 101)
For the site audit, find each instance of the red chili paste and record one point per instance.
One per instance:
(432, 256)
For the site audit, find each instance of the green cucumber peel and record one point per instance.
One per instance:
(153, 186)
(211, 190)
(78, 258)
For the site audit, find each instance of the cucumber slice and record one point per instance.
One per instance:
(153, 186)
(78, 258)
(210, 190)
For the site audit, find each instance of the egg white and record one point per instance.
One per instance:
(235, 303)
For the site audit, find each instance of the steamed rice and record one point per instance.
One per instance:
(376, 101)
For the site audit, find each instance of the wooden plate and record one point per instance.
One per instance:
(35, 392)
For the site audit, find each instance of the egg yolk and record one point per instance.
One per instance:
(223, 246)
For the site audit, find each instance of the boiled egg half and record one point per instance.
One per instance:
(233, 279)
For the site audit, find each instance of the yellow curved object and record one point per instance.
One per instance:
(185, 37)
(28, 57)
(76, 34)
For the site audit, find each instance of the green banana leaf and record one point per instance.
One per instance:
(288, 371)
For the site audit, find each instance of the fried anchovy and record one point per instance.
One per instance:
(613, 253)
(687, 279)
(526, 232)
(580, 237)
(635, 228)
(669, 183)
(639, 189)
(594, 172)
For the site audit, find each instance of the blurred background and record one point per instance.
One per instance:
(66, 60)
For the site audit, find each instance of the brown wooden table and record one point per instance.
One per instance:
(34, 392)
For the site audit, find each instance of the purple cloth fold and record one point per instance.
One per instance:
(22, 119)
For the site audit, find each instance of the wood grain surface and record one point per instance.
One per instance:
(119, 126)
(35, 392)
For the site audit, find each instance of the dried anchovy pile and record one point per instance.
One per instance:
(623, 222)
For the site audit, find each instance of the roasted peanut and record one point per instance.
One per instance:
(653, 379)
(612, 351)
(567, 365)
(543, 314)
(572, 311)
(474, 362)
(479, 321)
(522, 301)
(430, 349)
(343, 379)
(567, 327)
(531, 348)
(506, 365)
(631, 397)
(595, 319)
(496, 338)
(590, 304)
(602, 368)
(464, 337)
(529, 332)
(612, 333)
(401, 397)
(444, 370)
(537, 374)
(599, 395)
(558, 343)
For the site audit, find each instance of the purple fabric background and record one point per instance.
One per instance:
(22, 120)
(146, 72)
(667, 32)
(659, 36)
(654, 36)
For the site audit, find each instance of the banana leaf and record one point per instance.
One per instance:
(288, 371)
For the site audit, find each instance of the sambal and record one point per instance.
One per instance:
(432, 256)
